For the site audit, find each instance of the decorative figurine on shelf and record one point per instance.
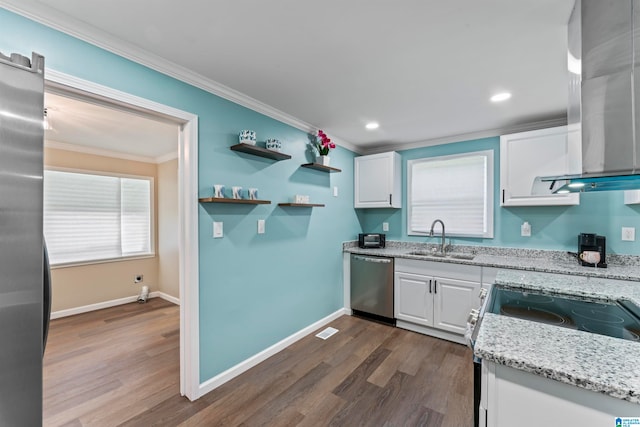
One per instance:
(218, 191)
(247, 137)
(253, 194)
(236, 192)
(323, 144)
(273, 144)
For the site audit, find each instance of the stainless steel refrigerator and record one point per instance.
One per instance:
(24, 313)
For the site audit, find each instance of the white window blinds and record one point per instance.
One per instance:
(457, 189)
(96, 217)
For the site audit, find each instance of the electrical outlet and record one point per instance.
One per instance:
(261, 226)
(335, 191)
(525, 229)
(629, 234)
(138, 278)
(385, 226)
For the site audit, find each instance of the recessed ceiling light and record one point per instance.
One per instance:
(372, 125)
(502, 96)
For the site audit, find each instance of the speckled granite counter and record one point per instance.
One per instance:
(622, 267)
(590, 361)
(587, 287)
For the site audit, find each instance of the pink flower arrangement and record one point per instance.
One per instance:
(324, 144)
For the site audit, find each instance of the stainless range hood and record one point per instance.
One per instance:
(604, 95)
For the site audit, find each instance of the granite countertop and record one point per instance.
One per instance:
(594, 362)
(621, 267)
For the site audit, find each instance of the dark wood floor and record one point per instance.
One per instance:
(119, 366)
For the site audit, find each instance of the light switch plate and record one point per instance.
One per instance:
(335, 191)
(628, 234)
(217, 230)
(385, 226)
(261, 226)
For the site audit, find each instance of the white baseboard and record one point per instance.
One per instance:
(249, 363)
(92, 307)
(112, 303)
(166, 297)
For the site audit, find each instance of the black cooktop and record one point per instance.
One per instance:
(619, 319)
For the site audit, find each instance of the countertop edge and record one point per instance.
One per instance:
(506, 262)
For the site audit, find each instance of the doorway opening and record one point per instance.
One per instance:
(59, 84)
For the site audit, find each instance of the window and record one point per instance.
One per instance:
(90, 217)
(457, 189)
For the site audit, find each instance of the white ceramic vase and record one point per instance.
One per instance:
(323, 160)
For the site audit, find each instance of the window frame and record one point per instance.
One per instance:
(152, 214)
(489, 200)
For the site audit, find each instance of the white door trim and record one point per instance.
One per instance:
(187, 215)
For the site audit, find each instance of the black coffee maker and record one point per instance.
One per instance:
(588, 243)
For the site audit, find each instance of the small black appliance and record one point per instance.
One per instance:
(587, 243)
(371, 240)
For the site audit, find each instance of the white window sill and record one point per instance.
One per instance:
(101, 261)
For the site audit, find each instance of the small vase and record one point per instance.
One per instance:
(323, 160)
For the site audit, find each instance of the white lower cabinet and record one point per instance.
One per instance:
(453, 301)
(413, 300)
(512, 397)
(435, 298)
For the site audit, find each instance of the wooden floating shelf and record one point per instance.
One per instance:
(259, 151)
(237, 201)
(301, 205)
(323, 168)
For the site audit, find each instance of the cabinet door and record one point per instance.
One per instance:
(412, 300)
(453, 301)
(377, 181)
(527, 155)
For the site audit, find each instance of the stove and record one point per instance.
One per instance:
(618, 319)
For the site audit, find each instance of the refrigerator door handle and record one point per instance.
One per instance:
(46, 282)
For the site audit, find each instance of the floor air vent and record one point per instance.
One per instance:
(327, 333)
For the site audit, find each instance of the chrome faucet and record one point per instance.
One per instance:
(442, 244)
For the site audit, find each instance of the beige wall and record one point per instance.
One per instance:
(168, 252)
(90, 284)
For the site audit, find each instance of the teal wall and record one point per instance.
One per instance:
(255, 290)
(553, 227)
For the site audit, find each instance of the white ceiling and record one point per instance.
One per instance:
(423, 69)
(99, 127)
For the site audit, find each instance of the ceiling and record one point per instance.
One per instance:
(101, 127)
(423, 69)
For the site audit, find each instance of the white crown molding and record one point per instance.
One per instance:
(49, 143)
(166, 157)
(54, 19)
(561, 121)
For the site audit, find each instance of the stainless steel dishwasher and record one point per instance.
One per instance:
(372, 287)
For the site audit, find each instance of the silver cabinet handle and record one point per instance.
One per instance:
(376, 260)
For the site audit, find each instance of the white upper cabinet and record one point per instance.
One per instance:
(377, 179)
(525, 156)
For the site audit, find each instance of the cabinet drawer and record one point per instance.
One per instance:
(471, 273)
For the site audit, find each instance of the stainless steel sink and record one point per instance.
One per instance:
(454, 255)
